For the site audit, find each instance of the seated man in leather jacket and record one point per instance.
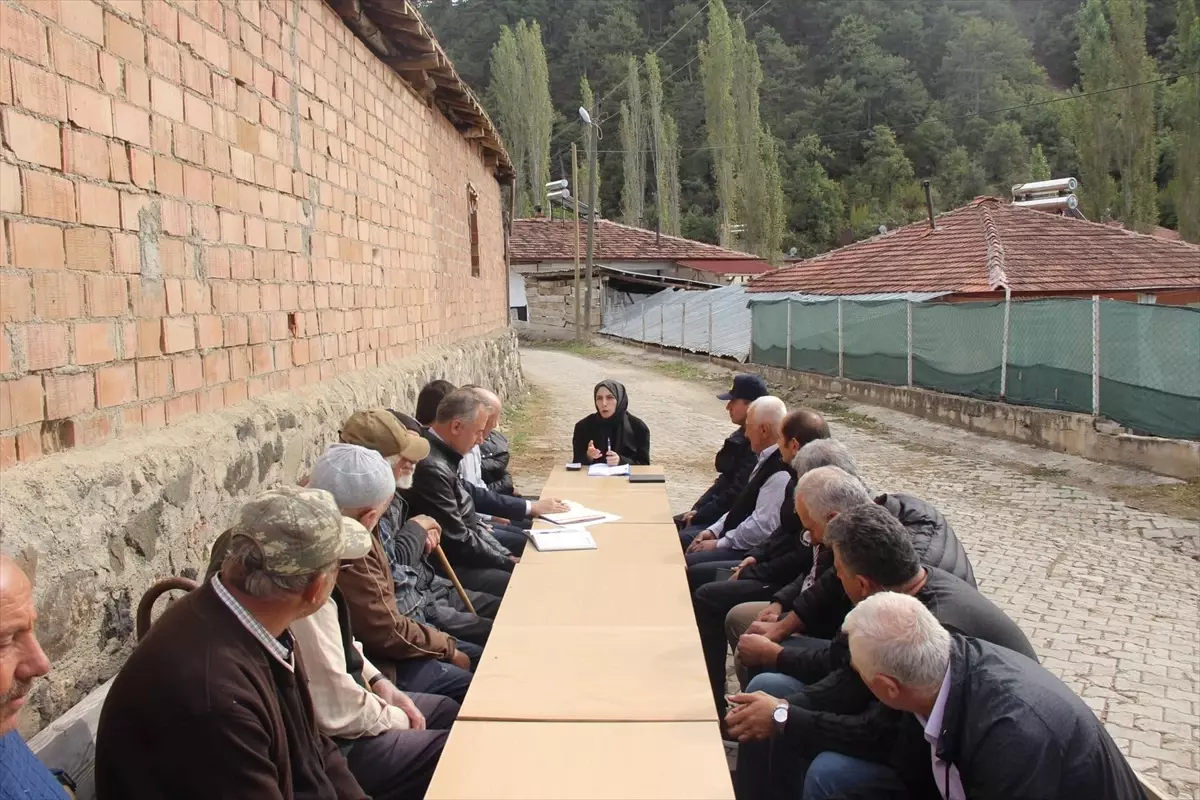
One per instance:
(479, 559)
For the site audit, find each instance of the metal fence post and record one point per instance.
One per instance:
(682, 328)
(841, 348)
(1004, 346)
(788, 361)
(910, 345)
(1095, 355)
(710, 345)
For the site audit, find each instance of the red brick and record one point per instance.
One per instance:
(168, 176)
(89, 430)
(162, 57)
(235, 393)
(89, 249)
(6, 96)
(116, 386)
(141, 168)
(31, 139)
(68, 395)
(160, 133)
(16, 298)
(85, 18)
(21, 402)
(172, 255)
(262, 357)
(39, 91)
(187, 373)
(10, 188)
(29, 444)
(166, 99)
(175, 218)
(153, 378)
(195, 297)
(149, 338)
(130, 8)
(118, 162)
(189, 144)
(179, 408)
(237, 331)
(22, 34)
(239, 363)
(127, 253)
(57, 295)
(233, 229)
(216, 369)
(163, 18)
(211, 332)
(8, 450)
(106, 296)
(6, 355)
(45, 346)
(36, 246)
(243, 164)
(75, 58)
(94, 343)
(131, 124)
(48, 196)
(124, 40)
(110, 73)
(173, 288)
(198, 185)
(137, 86)
(196, 75)
(258, 328)
(99, 205)
(84, 154)
(131, 207)
(198, 112)
(128, 332)
(178, 334)
(154, 415)
(89, 109)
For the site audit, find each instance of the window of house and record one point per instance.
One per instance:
(1148, 299)
(473, 222)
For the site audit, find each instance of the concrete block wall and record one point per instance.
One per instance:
(204, 201)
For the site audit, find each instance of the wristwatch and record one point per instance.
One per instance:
(780, 717)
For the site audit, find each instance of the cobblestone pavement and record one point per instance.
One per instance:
(1111, 611)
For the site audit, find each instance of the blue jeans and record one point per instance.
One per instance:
(831, 774)
(775, 684)
(794, 642)
(428, 676)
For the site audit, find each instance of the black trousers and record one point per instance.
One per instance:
(452, 616)
(711, 602)
(489, 580)
(398, 765)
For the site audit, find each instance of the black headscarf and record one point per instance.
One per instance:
(616, 428)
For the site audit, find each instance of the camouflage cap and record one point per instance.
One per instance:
(300, 530)
(379, 430)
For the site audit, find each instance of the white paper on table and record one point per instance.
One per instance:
(605, 471)
(580, 515)
(572, 537)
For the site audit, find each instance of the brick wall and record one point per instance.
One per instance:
(205, 201)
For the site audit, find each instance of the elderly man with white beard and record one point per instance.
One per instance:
(408, 541)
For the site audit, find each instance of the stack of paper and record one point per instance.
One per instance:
(605, 471)
(579, 515)
(566, 538)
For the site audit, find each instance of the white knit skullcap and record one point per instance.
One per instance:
(355, 476)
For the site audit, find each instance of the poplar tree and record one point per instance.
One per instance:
(1185, 119)
(664, 147)
(716, 68)
(1092, 118)
(520, 92)
(588, 101)
(633, 143)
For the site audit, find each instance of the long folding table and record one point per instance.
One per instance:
(592, 684)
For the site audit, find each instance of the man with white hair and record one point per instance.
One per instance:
(981, 721)
(411, 653)
(755, 513)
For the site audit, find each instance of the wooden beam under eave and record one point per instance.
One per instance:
(419, 64)
(475, 133)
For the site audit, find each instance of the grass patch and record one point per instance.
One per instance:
(1041, 471)
(523, 419)
(574, 348)
(838, 412)
(681, 370)
(1179, 499)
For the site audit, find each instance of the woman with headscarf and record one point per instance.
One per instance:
(612, 435)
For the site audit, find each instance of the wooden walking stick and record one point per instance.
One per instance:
(453, 578)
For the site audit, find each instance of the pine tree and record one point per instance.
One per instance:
(633, 143)
(581, 191)
(520, 92)
(1137, 146)
(716, 67)
(1039, 167)
(1092, 118)
(1185, 119)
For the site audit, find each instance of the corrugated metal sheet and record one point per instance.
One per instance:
(677, 318)
(755, 298)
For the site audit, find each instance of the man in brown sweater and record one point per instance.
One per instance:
(214, 702)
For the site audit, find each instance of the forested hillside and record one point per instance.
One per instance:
(844, 105)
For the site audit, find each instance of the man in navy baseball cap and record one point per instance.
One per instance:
(734, 461)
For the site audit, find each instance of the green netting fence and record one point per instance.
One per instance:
(1136, 364)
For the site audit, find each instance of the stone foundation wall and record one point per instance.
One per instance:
(95, 527)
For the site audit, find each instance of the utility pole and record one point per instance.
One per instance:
(575, 183)
(591, 234)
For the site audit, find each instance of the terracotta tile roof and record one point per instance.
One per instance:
(543, 239)
(987, 244)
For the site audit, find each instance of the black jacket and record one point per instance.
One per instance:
(631, 443)
(835, 710)
(735, 461)
(1013, 730)
(783, 555)
(494, 455)
(824, 605)
(438, 492)
(747, 499)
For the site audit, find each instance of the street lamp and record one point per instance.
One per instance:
(594, 135)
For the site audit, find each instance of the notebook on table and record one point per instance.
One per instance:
(577, 514)
(566, 538)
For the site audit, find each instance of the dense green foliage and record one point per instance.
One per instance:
(845, 105)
